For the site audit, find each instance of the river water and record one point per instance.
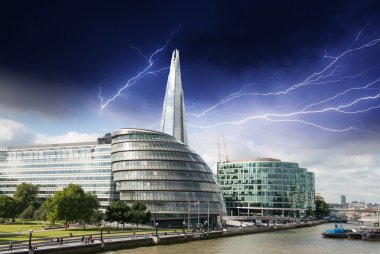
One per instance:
(303, 240)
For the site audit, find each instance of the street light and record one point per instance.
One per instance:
(156, 229)
(183, 226)
(101, 233)
(206, 223)
(30, 239)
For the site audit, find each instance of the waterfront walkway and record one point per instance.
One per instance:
(76, 245)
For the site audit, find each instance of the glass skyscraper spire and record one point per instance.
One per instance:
(173, 112)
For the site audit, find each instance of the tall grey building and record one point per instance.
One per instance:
(173, 112)
(343, 200)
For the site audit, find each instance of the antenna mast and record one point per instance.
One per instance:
(225, 150)
(218, 150)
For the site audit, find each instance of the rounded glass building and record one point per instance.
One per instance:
(166, 175)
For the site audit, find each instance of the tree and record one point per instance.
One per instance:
(97, 216)
(50, 211)
(118, 211)
(28, 213)
(310, 212)
(70, 204)
(89, 206)
(7, 207)
(40, 213)
(139, 214)
(321, 208)
(25, 195)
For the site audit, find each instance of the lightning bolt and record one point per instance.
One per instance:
(332, 73)
(145, 72)
(316, 78)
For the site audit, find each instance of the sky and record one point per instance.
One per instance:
(293, 80)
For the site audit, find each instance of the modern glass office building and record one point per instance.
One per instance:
(164, 173)
(53, 167)
(266, 186)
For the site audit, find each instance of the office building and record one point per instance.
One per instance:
(343, 200)
(53, 167)
(266, 186)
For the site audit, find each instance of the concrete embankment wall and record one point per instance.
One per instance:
(165, 239)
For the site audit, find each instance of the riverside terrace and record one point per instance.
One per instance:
(109, 242)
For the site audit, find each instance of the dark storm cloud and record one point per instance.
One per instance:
(75, 45)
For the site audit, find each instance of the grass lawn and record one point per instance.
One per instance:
(9, 232)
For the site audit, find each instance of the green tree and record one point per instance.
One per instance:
(119, 212)
(310, 212)
(40, 213)
(25, 195)
(139, 214)
(7, 207)
(28, 213)
(90, 205)
(50, 210)
(97, 216)
(70, 204)
(321, 208)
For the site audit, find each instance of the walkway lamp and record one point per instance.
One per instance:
(101, 233)
(183, 226)
(30, 238)
(206, 224)
(156, 229)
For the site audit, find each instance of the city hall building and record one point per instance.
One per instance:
(266, 187)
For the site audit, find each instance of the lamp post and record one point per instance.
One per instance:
(183, 226)
(156, 229)
(30, 239)
(206, 223)
(101, 233)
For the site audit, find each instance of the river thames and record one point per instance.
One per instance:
(302, 240)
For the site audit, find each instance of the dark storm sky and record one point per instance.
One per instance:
(83, 42)
(54, 55)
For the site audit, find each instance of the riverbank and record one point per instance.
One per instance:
(111, 244)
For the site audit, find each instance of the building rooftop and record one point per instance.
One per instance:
(52, 145)
(255, 159)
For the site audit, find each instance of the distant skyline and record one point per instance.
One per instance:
(296, 81)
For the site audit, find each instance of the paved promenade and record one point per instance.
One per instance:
(75, 245)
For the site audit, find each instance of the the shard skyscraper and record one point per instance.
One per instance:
(173, 113)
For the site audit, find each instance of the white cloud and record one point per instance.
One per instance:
(351, 169)
(9, 129)
(13, 133)
(69, 137)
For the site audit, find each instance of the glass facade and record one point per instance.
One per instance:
(173, 112)
(53, 167)
(164, 173)
(266, 187)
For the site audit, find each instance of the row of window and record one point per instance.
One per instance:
(71, 164)
(160, 146)
(70, 179)
(243, 172)
(155, 155)
(202, 197)
(167, 165)
(165, 185)
(162, 175)
(143, 137)
(258, 164)
(183, 207)
(64, 171)
(47, 153)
